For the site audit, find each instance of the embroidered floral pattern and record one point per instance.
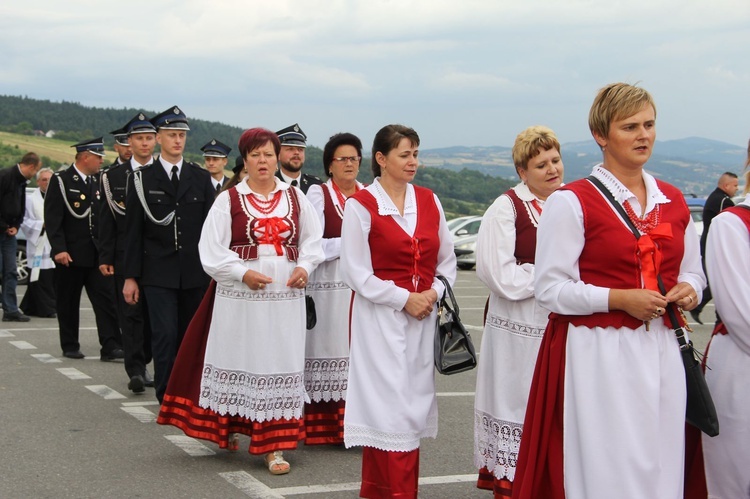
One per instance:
(496, 445)
(513, 327)
(396, 442)
(254, 396)
(326, 286)
(326, 379)
(258, 295)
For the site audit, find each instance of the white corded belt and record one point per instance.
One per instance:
(70, 208)
(138, 183)
(113, 206)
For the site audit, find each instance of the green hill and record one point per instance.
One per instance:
(463, 192)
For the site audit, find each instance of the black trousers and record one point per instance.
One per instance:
(136, 330)
(69, 284)
(170, 312)
(39, 299)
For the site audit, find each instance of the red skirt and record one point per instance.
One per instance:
(389, 475)
(501, 488)
(324, 422)
(180, 407)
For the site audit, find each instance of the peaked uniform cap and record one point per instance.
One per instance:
(216, 149)
(292, 136)
(172, 119)
(120, 135)
(139, 124)
(94, 146)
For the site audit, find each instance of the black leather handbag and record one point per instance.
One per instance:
(700, 411)
(454, 350)
(312, 316)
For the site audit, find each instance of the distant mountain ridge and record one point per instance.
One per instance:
(693, 164)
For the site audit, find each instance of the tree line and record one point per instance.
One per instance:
(467, 192)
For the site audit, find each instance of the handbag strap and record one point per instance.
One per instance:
(448, 291)
(678, 331)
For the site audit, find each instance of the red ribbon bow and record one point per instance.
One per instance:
(649, 253)
(271, 229)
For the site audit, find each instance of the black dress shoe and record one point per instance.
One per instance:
(15, 317)
(696, 316)
(76, 354)
(116, 354)
(147, 379)
(136, 384)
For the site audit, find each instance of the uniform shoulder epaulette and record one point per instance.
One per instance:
(313, 176)
(112, 168)
(193, 165)
(143, 167)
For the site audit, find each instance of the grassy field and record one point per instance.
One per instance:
(58, 150)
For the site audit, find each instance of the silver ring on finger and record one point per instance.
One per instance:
(659, 310)
(690, 297)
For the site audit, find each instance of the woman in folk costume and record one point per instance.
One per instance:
(259, 243)
(39, 299)
(515, 322)
(394, 241)
(727, 455)
(606, 413)
(327, 348)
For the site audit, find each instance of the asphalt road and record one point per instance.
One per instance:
(71, 428)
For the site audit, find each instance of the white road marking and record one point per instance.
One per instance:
(105, 392)
(22, 345)
(471, 308)
(341, 487)
(4, 333)
(140, 413)
(190, 445)
(434, 480)
(46, 358)
(82, 328)
(473, 328)
(73, 373)
(140, 404)
(317, 489)
(250, 486)
(455, 394)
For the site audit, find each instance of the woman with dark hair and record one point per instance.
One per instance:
(327, 348)
(606, 412)
(242, 366)
(515, 321)
(395, 240)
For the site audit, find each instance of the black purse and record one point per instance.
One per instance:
(700, 410)
(312, 316)
(454, 350)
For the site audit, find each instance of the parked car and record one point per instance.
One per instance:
(22, 268)
(464, 226)
(464, 248)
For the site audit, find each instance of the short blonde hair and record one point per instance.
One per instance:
(530, 141)
(614, 102)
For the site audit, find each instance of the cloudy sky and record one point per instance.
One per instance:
(470, 72)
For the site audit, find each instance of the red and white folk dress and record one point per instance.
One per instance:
(327, 347)
(252, 371)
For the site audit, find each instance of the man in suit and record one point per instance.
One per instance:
(71, 213)
(13, 182)
(716, 202)
(215, 156)
(136, 329)
(166, 205)
(292, 158)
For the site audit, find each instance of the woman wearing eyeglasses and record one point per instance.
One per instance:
(327, 345)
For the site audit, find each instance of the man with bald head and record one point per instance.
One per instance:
(719, 200)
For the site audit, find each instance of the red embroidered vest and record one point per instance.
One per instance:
(248, 231)
(331, 216)
(525, 228)
(410, 262)
(609, 258)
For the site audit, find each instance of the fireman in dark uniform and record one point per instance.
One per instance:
(292, 158)
(166, 205)
(134, 324)
(215, 157)
(71, 211)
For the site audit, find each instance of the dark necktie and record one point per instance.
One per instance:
(218, 188)
(294, 183)
(88, 186)
(175, 178)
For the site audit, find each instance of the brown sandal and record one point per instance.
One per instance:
(277, 465)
